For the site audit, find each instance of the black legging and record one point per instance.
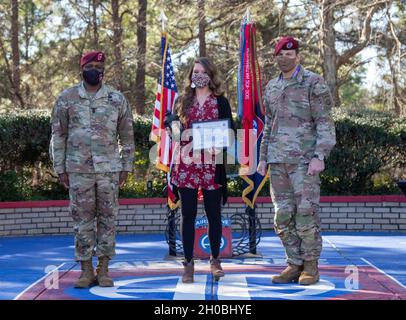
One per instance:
(212, 206)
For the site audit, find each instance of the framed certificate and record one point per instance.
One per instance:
(211, 134)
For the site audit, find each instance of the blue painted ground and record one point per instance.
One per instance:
(23, 260)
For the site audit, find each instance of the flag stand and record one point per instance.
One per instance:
(175, 247)
(171, 215)
(252, 229)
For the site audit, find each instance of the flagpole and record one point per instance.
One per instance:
(248, 43)
(171, 213)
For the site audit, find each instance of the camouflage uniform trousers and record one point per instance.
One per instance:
(94, 201)
(296, 197)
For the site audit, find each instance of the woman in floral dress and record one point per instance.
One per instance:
(202, 100)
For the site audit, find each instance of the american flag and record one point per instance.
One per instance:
(165, 97)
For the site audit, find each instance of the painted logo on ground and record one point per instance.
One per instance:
(242, 282)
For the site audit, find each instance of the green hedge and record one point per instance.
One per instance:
(24, 139)
(369, 155)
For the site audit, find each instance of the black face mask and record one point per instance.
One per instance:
(93, 76)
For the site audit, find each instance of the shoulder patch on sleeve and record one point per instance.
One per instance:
(70, 94)
(115, 98)
(320, 86)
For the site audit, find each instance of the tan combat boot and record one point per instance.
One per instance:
(87, 277)
(216, 269)
(290, 274)
(310, 274)
(188, 271)
(102, 273)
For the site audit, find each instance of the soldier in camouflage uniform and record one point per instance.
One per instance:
(92, 149)
(299, 134)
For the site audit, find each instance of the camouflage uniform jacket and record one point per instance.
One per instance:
(92, 134)
(298, 122)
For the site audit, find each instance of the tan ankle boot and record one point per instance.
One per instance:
(188, 271)
(216, 269)
(310, 274)
(102, 273)
(290, 274)
(87, 277)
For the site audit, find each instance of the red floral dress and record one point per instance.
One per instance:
(194, 174)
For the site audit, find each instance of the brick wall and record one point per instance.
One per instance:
(354, 213)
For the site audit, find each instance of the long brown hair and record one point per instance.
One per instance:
(185, 101)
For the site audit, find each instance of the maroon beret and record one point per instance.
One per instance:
(286, 43)
(92, 56)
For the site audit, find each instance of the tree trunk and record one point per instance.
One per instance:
(29, 16)
(328, 49)
(15, 54)
(393, 48)
(395, 86)
(95, 4)
(139, 93)
(202, 28)
(332, 62)
(226, 82)
(117, 42)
